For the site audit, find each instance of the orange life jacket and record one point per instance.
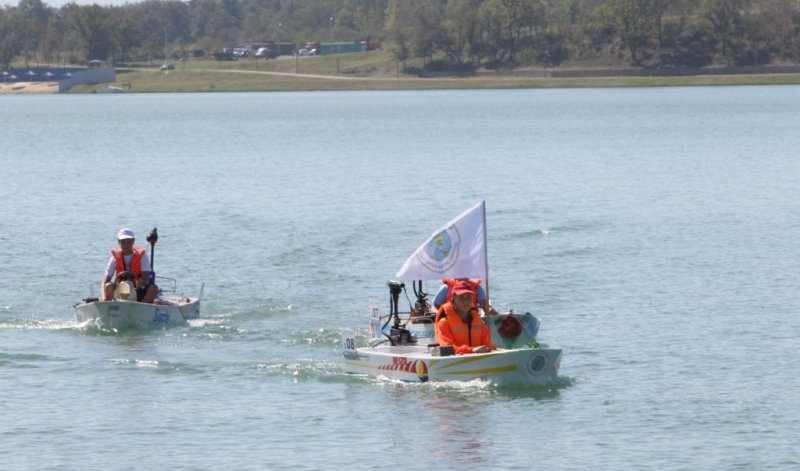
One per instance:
(136, 261)
(451, 282)
(464, 336)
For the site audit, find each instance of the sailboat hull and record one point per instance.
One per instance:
(537, 366)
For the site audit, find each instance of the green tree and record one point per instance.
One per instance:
(217, 20)
(414, 25)
(777, 24)
(460, 39)
(127, 34)
(35, 15)
(257, 22)
(550, 48)
(426, 24)
(92, 25)
(725, 17)
(754, 44)
(509, 26)
(689, 44)
(54, 40)
(634, 23)
(360, 18)
(160, 24)
(11, 42)
(396, 28)
(493, 32)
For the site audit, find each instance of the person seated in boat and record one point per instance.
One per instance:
(130, 261)
(459, 324)
(445, 294)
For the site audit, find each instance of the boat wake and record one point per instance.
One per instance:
(305, 370)
(35, 324)
(561, 382)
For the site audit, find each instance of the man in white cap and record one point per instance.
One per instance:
(130, 263)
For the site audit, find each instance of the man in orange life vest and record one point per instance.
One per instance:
(131, 259)
(459, 324)
(445, 294)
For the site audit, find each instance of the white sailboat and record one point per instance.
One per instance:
(402, 345)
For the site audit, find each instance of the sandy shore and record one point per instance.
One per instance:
(28, 87)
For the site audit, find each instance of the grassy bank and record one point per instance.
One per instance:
(373, 71)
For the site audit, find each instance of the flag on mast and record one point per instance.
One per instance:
(456, 250)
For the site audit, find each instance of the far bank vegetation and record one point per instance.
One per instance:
(447, 36)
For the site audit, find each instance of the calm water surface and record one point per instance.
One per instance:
(652, 231)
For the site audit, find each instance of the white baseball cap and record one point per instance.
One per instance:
(125, 234)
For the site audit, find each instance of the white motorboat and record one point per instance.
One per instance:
(109, 89)
(419, 363)
(124, 311)
(117, 315)
(120, 313)
(403, 346)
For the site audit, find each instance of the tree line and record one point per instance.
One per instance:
(445, 34)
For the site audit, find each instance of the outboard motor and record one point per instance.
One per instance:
(398, 335)
(395, 288)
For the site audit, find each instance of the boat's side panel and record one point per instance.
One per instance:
(122, 314)
(524, 366)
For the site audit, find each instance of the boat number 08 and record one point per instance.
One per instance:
(349, 340)
(349, 344)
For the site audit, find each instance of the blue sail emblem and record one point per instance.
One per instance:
(441, 253)
(439, 247)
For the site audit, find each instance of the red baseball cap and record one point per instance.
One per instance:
(462, 287)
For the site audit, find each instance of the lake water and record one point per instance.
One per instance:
(653, 232)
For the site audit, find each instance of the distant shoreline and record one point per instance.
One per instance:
(205, 78)
(20, 88)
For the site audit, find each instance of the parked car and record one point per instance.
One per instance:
(225, 56)
(167, 67)
(242, 51)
